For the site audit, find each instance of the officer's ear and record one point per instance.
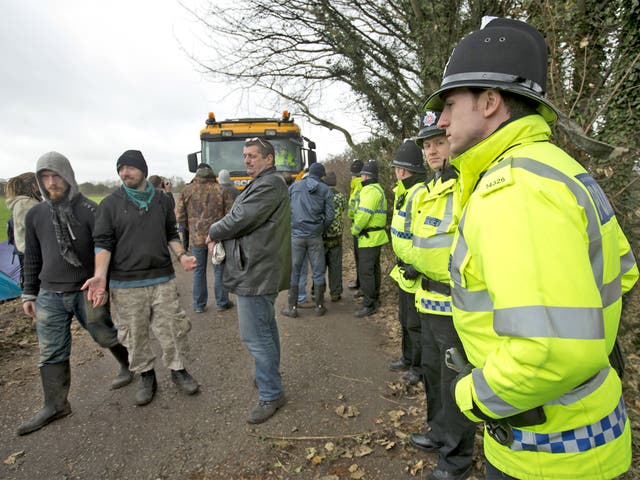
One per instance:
(492, 101)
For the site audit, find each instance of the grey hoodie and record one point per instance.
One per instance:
(56, 162)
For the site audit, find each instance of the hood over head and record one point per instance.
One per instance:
(56, 162)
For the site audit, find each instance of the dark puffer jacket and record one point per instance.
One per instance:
(256, 234)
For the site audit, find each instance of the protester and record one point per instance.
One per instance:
(256, 234)
(224, 179)
(311, 214)
(368, 226)
(202, 203)
(333, 239)
(134, 227)
(538, 267)
(21, 195)
(410, 171)
(449, 432)
(164, 185)
(59, 257)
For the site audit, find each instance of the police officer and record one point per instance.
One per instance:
(354, 196)
(538, 267)
(368, 226)
(410, 172)
(450, 433)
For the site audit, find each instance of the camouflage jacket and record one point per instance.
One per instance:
(202, 203)
(337, 225)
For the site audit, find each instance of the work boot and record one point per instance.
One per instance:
(185, 381)
(56, 379)
(411, 377)
(365, 311)
(399, 365)
(292, 308)
(124, 376)
(424, 442)
(146, 387)
(265, 409)
(319, 298)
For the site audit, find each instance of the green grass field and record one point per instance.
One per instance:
(5, 213)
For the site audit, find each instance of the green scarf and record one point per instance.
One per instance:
(142, 198)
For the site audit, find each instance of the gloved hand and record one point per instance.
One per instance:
(409, 273)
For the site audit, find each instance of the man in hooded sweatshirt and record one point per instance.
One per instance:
(59, 257)
(135, 227)
(311, 214)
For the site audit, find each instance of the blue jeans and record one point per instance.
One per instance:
(222, 295)
(54, 312)
(259, 332)
(200, 292)
(302, 283)
(313, 249)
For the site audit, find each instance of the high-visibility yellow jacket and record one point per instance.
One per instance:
(354, 194)
(538, 266)
(404, 209)
(370, 218)
(434, 226)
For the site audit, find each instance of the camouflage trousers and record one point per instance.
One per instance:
(139, 311)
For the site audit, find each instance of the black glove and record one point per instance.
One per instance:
(409, 272)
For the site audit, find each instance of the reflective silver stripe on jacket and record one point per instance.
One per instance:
(440, 241)
(500, 408)
(582, 391)
(545, 321)
(407, 218)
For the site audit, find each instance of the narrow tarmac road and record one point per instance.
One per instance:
(327, 362)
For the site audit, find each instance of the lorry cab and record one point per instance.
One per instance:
(222, 143)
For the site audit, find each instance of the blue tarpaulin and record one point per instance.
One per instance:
(9, 273)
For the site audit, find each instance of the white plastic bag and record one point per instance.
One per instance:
(217, 257)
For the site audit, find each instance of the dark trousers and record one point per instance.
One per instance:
(449, 427)
(369, 275)
(492, 473)
(355, 256)
(333, 260)
(411, 331)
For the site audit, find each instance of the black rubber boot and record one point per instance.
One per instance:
(319, 294)
(124, 376)
(56, 379)
(292, 308)
(146, 388)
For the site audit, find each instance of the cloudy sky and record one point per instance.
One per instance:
(92, 79)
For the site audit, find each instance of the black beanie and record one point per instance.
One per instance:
(133, 158)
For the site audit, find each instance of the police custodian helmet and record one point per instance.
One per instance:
(506, 54)
(429, 127)
(409, 157)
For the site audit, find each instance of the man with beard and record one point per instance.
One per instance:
(134, 226)
(58, 259)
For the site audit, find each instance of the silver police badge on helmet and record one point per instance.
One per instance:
(429, 118)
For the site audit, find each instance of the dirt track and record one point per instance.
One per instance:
(327, 362)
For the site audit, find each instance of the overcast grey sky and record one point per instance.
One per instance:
(91, 79)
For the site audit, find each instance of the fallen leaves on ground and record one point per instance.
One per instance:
(347, 411)
(11, 459)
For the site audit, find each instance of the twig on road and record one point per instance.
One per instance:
(321, 437)
(366, 380)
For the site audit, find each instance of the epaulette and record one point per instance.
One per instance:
(497, 177)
